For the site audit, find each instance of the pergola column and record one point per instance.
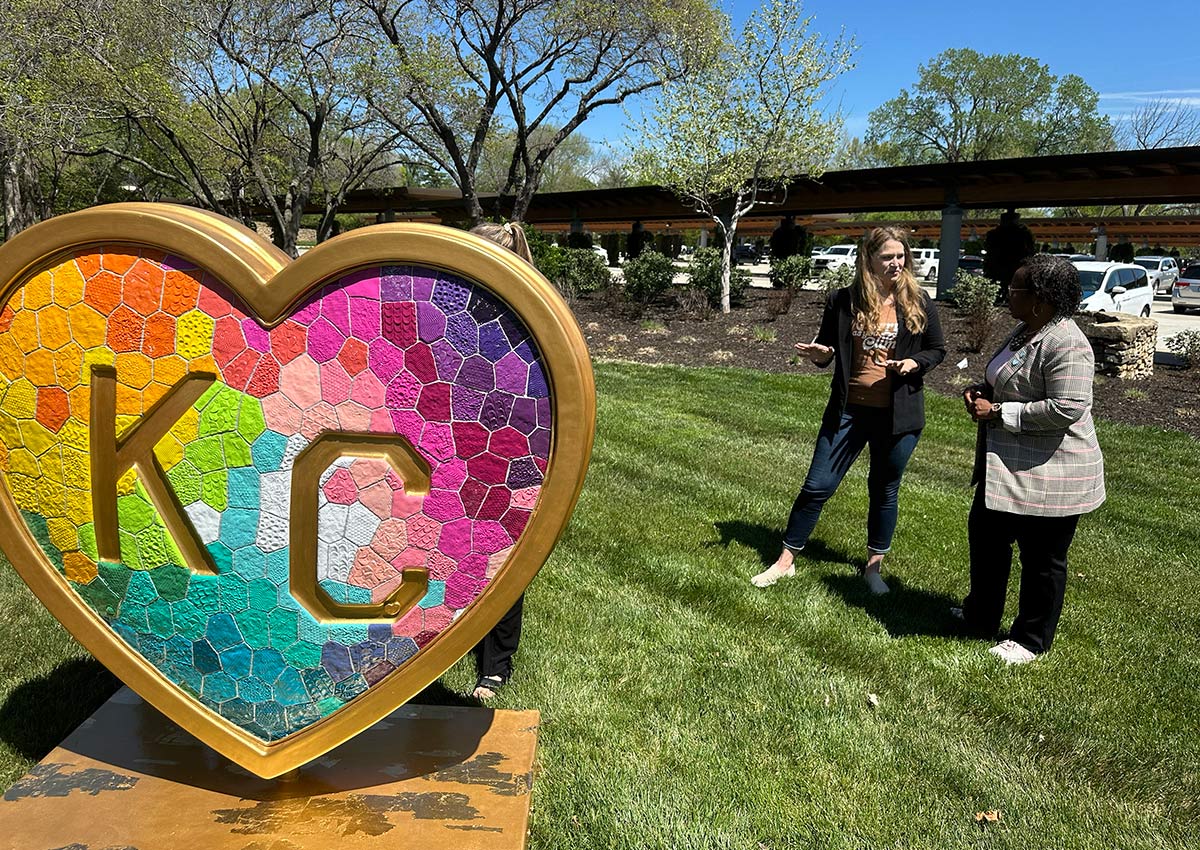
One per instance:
(1101, 242)
(949, 245)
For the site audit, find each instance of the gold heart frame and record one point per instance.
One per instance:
(270, 286)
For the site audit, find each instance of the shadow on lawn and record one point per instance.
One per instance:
(903, 612)
(39, 713)
(763, 540)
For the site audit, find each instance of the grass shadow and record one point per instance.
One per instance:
(39, 713)
(753, 535)
(903, 612)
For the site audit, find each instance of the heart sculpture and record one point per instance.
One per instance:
(278, 498)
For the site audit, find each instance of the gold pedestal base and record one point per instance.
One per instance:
(424, 777)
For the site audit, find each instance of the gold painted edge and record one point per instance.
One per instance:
(269, 287)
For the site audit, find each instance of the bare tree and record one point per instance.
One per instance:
(460, 71)
(265, 110)
(1161, 123)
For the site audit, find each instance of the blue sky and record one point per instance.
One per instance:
(1127, 52)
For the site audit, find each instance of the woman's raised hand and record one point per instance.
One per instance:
(814, 351)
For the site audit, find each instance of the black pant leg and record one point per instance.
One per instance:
(493, 654)
(1043, 542)
(990, 535)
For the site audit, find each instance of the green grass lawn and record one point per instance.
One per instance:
(683, 708)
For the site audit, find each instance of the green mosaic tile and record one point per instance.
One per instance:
(140, 590)
(220, 413)
(253, 624)
(303, 654)
(158, 613)
(185, 480)
(263, 595)
(189, 619)
(87, 541)
(251, 423)
(215, 490)
(283, 627)
(135, 512)
(237, 450)
(129, 550)
(206, 454)
(152, 547)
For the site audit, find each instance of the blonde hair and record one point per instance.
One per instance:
(868, 304)
(508, 235)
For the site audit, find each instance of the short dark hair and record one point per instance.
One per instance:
(1054, 281)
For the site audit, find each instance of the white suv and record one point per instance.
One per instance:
(1162, 271)
(835, 257)
(925, 262)
(1114, 288)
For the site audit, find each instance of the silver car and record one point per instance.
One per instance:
(1162, 271)
(1185, 293)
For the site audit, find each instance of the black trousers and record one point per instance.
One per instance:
(1043, 543)
(493, 654)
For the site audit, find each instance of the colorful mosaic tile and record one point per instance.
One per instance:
(388, 350)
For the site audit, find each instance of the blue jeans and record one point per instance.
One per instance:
(837, 448)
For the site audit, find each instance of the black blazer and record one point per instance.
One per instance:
(908, 393)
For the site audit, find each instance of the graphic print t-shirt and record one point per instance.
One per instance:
(870, 382)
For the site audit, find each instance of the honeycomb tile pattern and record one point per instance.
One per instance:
(403, 350)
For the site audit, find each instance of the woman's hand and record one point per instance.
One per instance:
(902, 367)
(814, 351)
(970, 394)
(982, 410)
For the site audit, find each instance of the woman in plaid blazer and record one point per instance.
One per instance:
(1038, 466)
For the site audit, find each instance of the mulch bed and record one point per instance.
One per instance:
(754, 336)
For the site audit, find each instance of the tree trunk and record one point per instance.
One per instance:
(728, 228)
(18, 188)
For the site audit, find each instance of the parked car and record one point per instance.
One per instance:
(1114, 288)
(925, 262)
(1186, 291)
(745, 253)
(835, 257)
(1162, 271)
(971, 263)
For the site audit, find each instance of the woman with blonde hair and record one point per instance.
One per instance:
(882, 334)
(509, 235)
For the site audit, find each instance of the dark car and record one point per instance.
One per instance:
(745, 253)
(971, 263)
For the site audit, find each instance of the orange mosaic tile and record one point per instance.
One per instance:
(103, 292)
(143, 287)
(117, 262)
(180, 293)
(125, 330)
(159, 338)
(53, 407)
(88, 264)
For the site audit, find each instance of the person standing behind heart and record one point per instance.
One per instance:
(494, 654)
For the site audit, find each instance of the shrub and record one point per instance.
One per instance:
(548, 258)
(581, 270)
(975, 297)
(647, 276)
(792, 272)
(1185, 344)
(704, 275)
(839, 278)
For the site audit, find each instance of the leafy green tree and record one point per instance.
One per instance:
(455, 73)
(732, 135)
(967, 106)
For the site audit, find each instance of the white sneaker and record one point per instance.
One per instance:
(772, 574)
(1012, 652)
(875, 583)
